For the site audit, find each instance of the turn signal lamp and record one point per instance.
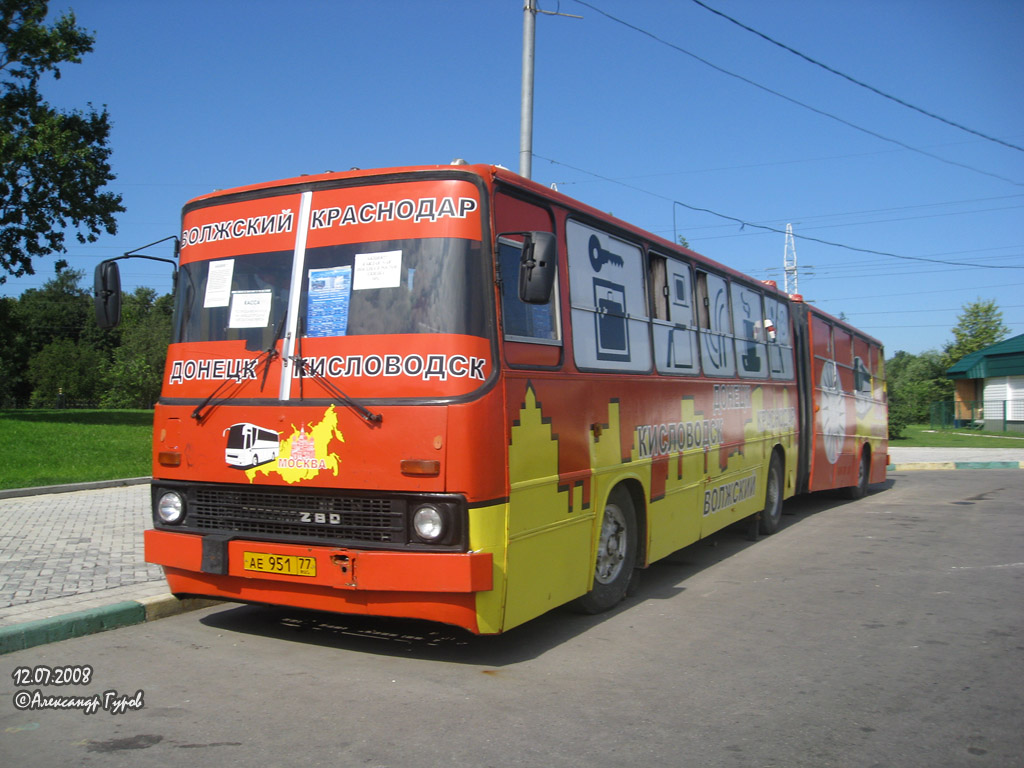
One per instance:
(421, 467)
(169, 458)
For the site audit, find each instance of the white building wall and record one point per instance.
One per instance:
(1001, 389)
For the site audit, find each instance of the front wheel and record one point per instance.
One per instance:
(616, 555)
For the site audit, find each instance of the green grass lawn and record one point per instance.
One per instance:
(51, 447)
(922, 436)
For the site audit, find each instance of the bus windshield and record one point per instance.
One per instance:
(414, 286)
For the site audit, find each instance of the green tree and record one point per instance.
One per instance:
(136, 374)
(12, 361)
(979, 325)
(60, 311)
(64, 371)
(914, 382)
(53, 164)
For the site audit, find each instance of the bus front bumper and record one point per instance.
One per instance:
(369, 570)
(436, 586)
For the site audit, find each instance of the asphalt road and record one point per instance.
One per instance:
(883, 632)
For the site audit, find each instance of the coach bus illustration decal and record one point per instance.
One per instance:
(250, 445)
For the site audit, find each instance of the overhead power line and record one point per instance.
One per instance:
(803, 220)
(946, 215)
(790, 99)
(955, 289)
(928, 311)
(743, 224)
(855, 81)
(872, 327)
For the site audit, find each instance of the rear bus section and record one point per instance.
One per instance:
(843, 402)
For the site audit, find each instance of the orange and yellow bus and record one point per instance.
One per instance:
(450, 393)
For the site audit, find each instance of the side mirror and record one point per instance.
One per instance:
(537, 268)
(107, 295)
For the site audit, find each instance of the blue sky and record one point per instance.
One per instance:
(219, 93)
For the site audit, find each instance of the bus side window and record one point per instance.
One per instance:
(675, 338)
(659, 288)
(748, 321)
(526, 322)
(716, 344)
(701, 291)
(609, 300)
(881, 389)
(842, 346)
(780, 350)
(861, 367)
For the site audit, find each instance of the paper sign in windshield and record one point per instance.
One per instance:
(327, 306)
(250, 309)
(377, 270)
(218, 283)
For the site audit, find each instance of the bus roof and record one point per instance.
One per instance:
(489, 174)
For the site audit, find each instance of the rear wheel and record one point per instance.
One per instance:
(863, 472)
(772, 511)
(616, 554)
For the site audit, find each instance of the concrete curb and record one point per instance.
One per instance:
(30, 634)
(915, 466)
(14, 493)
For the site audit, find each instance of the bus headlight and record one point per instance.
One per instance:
(428, 522)
(171, 508)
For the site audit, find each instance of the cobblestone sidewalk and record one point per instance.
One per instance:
(64, 552)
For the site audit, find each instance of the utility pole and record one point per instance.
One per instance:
(526, 116)
(530, 11)
(789, 261)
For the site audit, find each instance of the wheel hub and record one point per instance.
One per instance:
(611, 549)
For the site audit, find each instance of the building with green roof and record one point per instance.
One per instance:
(994, 377)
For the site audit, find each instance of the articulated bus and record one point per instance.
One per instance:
(450, 393)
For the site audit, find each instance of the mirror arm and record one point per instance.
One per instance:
(107, 283)
(134, 254)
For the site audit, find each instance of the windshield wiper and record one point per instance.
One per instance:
(265, 357)
(305, 370)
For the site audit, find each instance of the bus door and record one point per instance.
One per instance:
(548, 557)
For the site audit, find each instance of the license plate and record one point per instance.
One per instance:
(290, 565)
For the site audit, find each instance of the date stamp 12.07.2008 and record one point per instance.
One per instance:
(30, 682)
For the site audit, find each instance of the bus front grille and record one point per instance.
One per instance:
(296, 515)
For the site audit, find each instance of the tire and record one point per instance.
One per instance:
(772, 512)
(616, 555)
(863, 472)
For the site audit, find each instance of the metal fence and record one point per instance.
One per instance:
(11, 404)
(991, 415)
